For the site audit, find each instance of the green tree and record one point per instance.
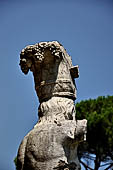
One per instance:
(15, 162)
(99, 113)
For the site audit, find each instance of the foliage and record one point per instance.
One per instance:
(15, 161)
(99, 113)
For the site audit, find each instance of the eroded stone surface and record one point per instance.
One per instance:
(52, 144)
(52, 69)
(49, 143)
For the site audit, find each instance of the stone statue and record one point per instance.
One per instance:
(52, 143)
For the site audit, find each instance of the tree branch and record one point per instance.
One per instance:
(85, 165)
(111, 165)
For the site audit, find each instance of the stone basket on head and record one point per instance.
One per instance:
(52, 69)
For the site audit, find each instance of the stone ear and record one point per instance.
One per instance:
(74, 71)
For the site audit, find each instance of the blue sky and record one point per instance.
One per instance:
(84, 27)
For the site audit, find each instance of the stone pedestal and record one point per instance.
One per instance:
(52, 144)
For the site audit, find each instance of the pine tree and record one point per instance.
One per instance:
(99, 113)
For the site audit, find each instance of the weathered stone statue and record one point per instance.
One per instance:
(52, 144)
